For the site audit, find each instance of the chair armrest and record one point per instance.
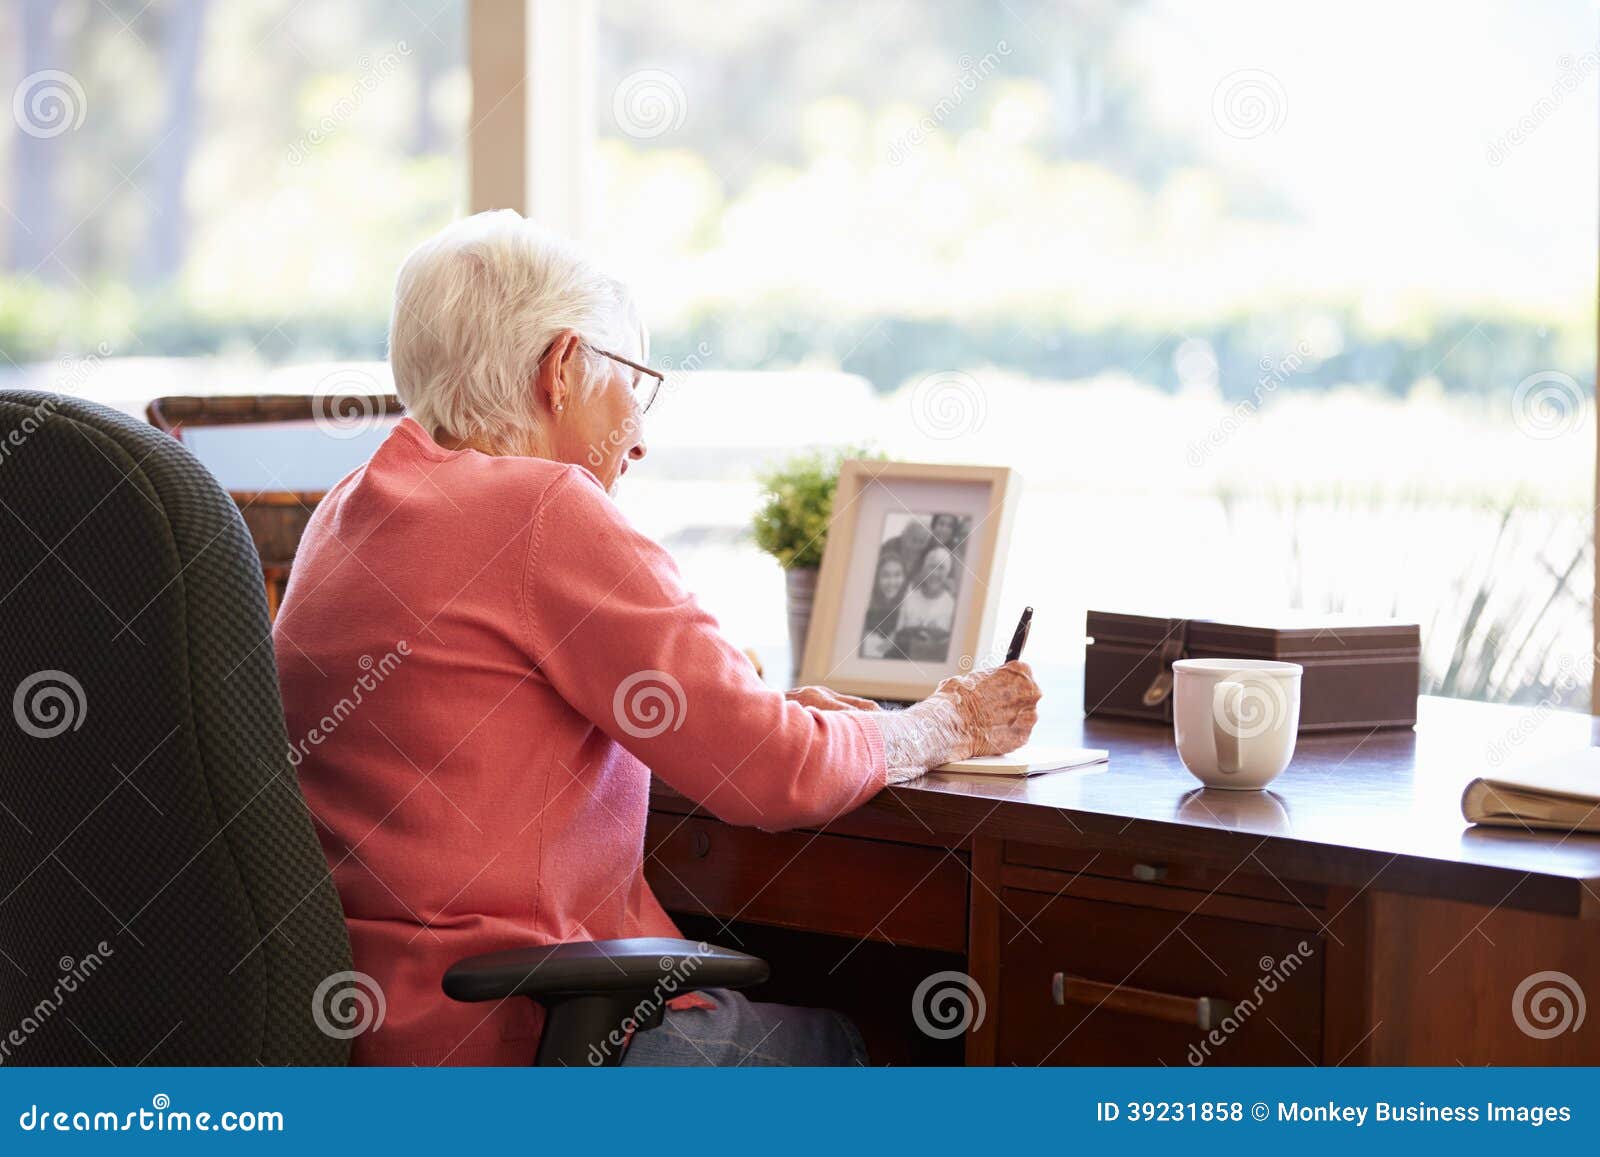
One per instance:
(637, 965)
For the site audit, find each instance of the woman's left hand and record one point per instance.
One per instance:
(825, 700)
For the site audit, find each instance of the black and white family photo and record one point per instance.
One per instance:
(914, 587)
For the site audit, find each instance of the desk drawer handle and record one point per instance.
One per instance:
(1203, 1012)
(1150, 873)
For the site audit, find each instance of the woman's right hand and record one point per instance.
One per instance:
(997, 708)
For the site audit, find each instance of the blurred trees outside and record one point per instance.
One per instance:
(246, 175)
(889, 188)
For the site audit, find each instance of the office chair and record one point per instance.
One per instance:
(163, 897)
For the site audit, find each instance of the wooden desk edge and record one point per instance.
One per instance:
(1280, 855)
(920, 816)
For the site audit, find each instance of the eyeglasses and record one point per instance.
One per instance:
(646, 387)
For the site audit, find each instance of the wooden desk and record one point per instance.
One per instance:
(1348, 915)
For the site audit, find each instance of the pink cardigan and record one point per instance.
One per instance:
(481, 663)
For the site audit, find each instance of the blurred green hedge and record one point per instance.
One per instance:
(1467, 355)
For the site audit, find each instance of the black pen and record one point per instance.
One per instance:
(1019, 638)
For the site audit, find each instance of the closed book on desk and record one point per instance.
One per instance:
(1560, 794)
(1028, 760)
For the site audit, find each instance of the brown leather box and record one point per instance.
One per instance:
(1358, 673)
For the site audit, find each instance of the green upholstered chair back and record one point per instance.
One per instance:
(163, 899)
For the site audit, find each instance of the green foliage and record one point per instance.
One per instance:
(1481, 357)
(797, 502)
(38, 321)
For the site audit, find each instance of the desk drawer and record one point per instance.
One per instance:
(1090, 983)
(1112, 866)
(865, 889)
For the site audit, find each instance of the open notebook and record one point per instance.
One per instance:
(1561, 794)
(1029, 760)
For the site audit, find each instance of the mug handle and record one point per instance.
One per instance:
(1229, 745)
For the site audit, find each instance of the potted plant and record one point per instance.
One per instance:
(792, 526)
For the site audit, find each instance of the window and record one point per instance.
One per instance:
(219, 186)
(1272, 306)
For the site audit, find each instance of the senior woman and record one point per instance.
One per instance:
(482, 662)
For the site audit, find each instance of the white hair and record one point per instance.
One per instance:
(476, 307)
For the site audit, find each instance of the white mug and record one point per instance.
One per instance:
(1236, 719)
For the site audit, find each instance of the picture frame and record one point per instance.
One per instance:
(910, 579)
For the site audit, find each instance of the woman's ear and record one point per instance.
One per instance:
(557, 375)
